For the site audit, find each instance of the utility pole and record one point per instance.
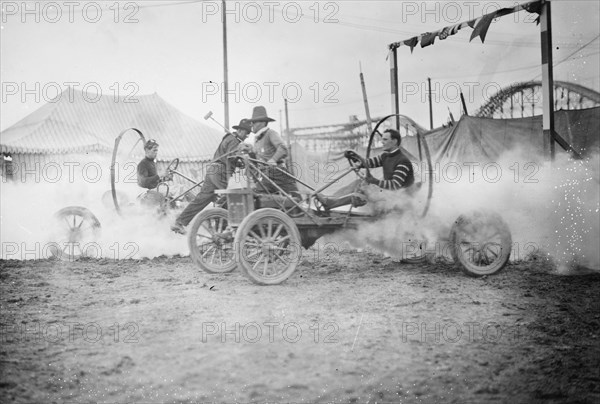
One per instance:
(225, 72)
(394, 83)
(288, 134)
(365, 100)
(547, 80)
(430, 104)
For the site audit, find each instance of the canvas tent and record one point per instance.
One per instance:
(77, 125)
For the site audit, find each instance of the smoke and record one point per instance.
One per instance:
(551, 209)
(30, 230)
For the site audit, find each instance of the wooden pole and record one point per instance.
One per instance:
(365, 100)
(288, 135)
(430, 104)
(394, 83)
(547, 79)
(464, 104)
(225, 70)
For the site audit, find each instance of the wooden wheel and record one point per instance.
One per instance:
(76, 230)
(268, 246)
(210, 240)
(481, 243)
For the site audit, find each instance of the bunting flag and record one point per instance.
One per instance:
(427, 39)
(412, 42)
(480, 26)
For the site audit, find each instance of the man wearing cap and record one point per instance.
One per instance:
(269, 147)
(147, 176)
(217, 175)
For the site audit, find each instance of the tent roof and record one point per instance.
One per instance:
(73, 123)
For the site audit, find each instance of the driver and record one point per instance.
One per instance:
(147, 176)
(217, 175)
(397, 172)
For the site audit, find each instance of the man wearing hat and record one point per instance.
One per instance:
(217, 175)
(269, 147)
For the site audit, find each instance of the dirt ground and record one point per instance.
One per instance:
(346, 327)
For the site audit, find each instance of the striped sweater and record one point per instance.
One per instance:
(397, 170)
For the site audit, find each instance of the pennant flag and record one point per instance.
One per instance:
(427, 39)
(482, 26)
(412, 42)
(444, 33)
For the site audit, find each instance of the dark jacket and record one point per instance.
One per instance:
(147, 177)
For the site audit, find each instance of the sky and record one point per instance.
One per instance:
(175, 48)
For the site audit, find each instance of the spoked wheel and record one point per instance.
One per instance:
(481, 243)
(76, 231)
(211, 241)
(268, 246)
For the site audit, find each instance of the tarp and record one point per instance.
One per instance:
(485, 139)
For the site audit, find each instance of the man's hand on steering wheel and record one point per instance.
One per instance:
(167, 177)
(355, 160)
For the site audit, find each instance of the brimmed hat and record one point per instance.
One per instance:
(259, 114)
(245, 124)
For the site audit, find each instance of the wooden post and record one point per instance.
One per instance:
(464, 104)
(288, 135)
(394, 83)
(365, 100)
(430, 104)
(547, 79)
(225, 70)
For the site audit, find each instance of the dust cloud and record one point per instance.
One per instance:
(29, 229)
(551, 208)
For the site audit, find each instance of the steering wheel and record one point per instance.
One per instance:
(427, 156)
(173, 165)
(355, 160)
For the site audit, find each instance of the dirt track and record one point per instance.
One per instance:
(372, 330)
